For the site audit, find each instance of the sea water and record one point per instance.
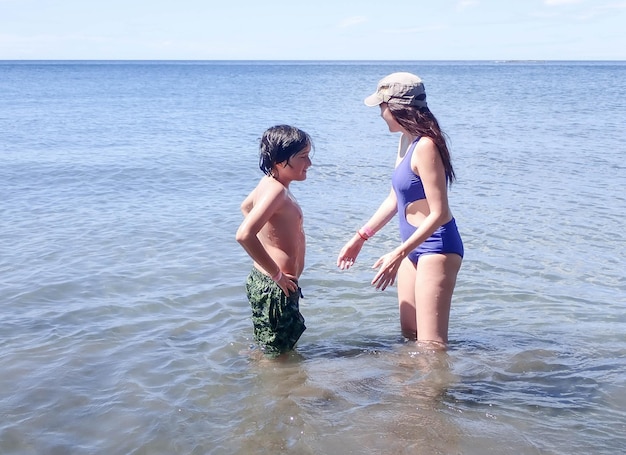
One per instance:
(124, 324)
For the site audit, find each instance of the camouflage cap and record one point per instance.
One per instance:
(399, 88)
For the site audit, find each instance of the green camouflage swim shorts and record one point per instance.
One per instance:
(277, 321)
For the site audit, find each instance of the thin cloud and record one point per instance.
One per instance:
(611, 6)
(561, 2)
(601, 10)
(464, 4)
(414, 30)
(586, 14)
(352, 21)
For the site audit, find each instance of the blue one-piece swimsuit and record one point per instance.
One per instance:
(409, 188)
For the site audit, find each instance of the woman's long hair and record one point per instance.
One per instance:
(421, 122)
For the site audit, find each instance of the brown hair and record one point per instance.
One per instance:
(278, 144)
(421, 122)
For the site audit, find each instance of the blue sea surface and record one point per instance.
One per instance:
(124, 323)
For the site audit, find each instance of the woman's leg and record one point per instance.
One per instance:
(435, 279)
(406, 299)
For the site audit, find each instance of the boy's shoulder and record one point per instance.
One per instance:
(269, 183)
(269, 187)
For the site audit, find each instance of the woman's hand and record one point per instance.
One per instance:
(389, 265)
(347, 255)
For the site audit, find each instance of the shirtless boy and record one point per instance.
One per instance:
(272, 234)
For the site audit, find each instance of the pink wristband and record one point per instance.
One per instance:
(278, 276)
(366, 232)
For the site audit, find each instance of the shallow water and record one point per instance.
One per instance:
(125, 327)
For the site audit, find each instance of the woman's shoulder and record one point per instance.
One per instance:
(425, 154)
(426, 145)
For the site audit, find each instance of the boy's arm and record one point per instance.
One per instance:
(247, 203)
(270, 200)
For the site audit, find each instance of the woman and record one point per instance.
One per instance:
(427, 261)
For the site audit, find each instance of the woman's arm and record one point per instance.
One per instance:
(385, 212)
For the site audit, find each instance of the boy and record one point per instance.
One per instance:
(273, 235)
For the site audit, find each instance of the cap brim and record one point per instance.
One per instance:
(373, 100)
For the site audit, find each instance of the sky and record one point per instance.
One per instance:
(313, 30)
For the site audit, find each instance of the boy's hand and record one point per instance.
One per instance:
(287, 283)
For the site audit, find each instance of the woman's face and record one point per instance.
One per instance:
(385, 113)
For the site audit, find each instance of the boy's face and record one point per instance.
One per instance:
(296, 167)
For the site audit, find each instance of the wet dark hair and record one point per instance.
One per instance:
(421, 122)
(278, 144)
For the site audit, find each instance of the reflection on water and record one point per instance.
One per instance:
(393, 396)
(346, 392)
(350, 400)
